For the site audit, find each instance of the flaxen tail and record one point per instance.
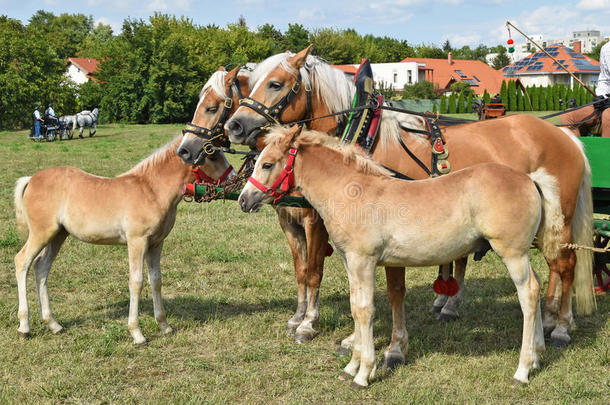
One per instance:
(20, 214)
(582, 234)
(551, 224)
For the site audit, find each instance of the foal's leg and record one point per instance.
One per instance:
(136, 248)
(528, 291)
(393, 355)
(295, 235)
(23, 260)
(153, 260)
(449, 312)
(317, 239)
(361, 271)
(42, 266)
(553, 298)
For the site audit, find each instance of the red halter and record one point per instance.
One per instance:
(201, 177)
(284, 182)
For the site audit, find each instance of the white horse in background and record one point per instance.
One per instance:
(86, 118)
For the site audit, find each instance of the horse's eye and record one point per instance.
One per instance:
(212, 109)
(275, 85)
(267, 166)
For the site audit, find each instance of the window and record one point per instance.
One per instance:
(476, 78)
(395, 77)
(459, 72)
(409, 77)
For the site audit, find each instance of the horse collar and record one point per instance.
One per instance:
(284, 182)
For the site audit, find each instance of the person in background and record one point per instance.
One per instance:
(598, 113)
(50, 112)
(37, 121)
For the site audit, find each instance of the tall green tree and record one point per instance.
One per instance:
(452, 107)
(504, 93)
(501, 60)
(296, 38)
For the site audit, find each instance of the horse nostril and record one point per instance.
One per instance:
(235, 128)
(242, 203)
(183, 153)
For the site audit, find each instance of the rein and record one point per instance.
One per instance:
(201, 177)
(284, 182)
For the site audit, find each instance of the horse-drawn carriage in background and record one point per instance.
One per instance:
(494, 109)
(51, 129)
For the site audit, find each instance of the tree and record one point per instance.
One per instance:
(447, 46)
(420, 90)
(469, 102)
(295, 38)
(501, 60)
(595, 51)
(486, 97)
(460, 103)
(512, 96)
(64, 33)
(443, 107)
(535, 95)
(452, 107)
(520, 102)
(504, 93)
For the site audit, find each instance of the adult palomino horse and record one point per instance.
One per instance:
(218, 100)
(306, 87)
(137, 208)
(394, 222)
(88, 119)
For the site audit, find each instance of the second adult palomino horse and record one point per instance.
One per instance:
(396, 222)
(525, 143)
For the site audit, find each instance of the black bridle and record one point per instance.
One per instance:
(273, 114)
(217, 131)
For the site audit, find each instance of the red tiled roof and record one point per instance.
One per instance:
(349, 69)
(540, 63)
(478, 74)
(87, 65)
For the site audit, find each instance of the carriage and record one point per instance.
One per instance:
(494, 109)
(597, 150)
(51, 129)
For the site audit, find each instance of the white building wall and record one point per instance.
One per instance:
(398, 74)
(76, 75)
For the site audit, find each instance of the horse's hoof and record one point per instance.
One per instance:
(168, 330)
(343, 351)
(24, 335)
(445, 317)
(517, 384)
(303, 337)
(357, 386)
(390, 362)
(559, 342)
(345, 376)
(548, 330)
(58, 330)
(436, 310)
(291, 328)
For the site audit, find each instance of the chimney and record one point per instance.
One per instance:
(577, 46)
(449, 58)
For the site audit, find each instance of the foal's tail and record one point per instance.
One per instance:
(582, 234)
(551, 224)
(21, 215)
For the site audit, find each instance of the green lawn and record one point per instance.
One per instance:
(229, 289)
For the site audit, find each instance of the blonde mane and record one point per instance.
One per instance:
(160, 156)
(216, 82)
(332, 86)
(364, 164)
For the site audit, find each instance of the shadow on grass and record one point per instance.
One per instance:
(490, 322)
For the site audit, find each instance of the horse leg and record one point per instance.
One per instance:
(153, 260)
(42, 266)
(361, 273)
(80, 133)
(393, 355)
(553, 297)
(317, 239)
(23, 260)
(567, 262)
(136, 248)
(528, 290)
(94, 129)
(295, 235)
(449, 312)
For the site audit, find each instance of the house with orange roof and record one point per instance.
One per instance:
(541, 70)
(442, 72)
(81, 70)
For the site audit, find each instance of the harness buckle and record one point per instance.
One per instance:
(295, 87)
(228, 103)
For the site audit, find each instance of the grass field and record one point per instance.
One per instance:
(229, 289)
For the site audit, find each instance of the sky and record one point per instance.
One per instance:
(462, 22)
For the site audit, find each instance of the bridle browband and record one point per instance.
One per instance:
(217, 131)
(273, 114)
(284, 182)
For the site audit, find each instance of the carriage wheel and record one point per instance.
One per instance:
(51, 136)
(600, 264)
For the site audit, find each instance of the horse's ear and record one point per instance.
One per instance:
(243, 77)
(230, 78)
(298, 60)
(293, 132)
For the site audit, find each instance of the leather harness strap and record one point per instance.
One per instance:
(201, 177)
(273, 114)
